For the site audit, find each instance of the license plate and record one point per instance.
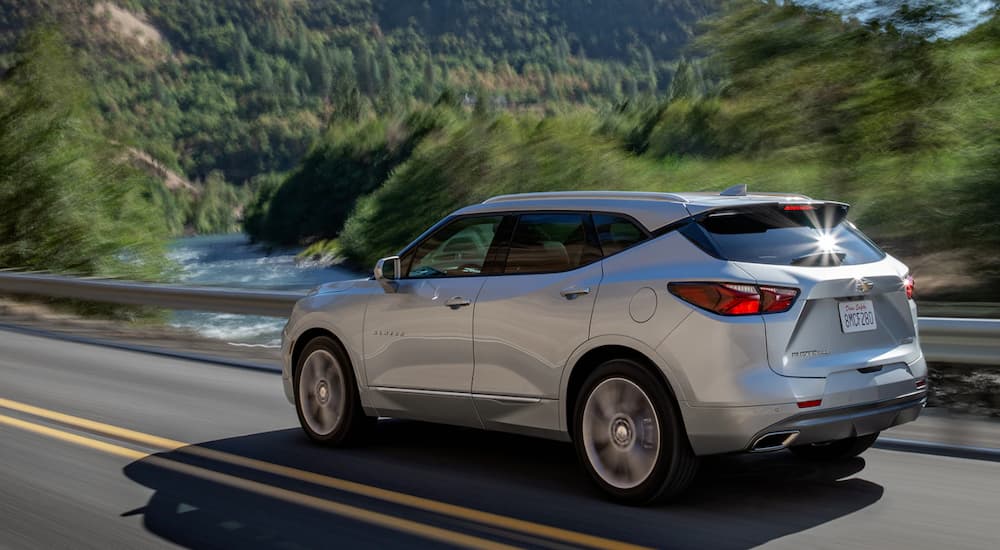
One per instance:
(857, 316)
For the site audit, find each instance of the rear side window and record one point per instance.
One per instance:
(549, 243)
(616, 233)
(815, 235)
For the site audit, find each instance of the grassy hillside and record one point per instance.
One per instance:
(244, 87)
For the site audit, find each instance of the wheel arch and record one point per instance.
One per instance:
(313, 325)
(597, 351)
(309, 335)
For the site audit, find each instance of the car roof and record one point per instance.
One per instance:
(651, 209)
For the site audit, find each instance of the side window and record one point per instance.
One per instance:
(616, 233)
(549, 243)
(458, 249)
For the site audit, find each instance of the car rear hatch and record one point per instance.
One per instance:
(852, 311)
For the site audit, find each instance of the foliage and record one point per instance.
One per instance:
(217, 209)
(903, 127)
(68, 199)
(367, 120)
(479, 158)
(349, 162)
(245, 87)
(324, 251)
(791, 99)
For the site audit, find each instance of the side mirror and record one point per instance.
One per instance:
(386, 273)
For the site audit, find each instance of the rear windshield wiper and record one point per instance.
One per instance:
(820, 259)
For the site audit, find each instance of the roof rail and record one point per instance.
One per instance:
(551, 195)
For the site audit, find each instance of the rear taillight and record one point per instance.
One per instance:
(775, 299)
(908, 284)
(735, 298)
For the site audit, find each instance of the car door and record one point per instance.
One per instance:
(418, 348)
(532, 317)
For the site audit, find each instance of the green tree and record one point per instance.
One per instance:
(217, 209)
(428, 87)
(68, 201)
(684, 84)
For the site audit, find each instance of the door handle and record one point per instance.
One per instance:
(456, 302)
(570, 293)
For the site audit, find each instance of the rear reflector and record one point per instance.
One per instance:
(909, 284)
(735, 299)
(921, 383)
(808, 404)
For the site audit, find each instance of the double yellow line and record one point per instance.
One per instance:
(518, 526)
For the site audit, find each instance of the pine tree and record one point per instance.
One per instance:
(650, 68)
(265, 78)
(366, 70)
(428, 86)
(684, 84)
(387, 75)
(67, 201)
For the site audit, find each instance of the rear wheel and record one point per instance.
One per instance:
(841, 449)
(326, 395)
(628, 435)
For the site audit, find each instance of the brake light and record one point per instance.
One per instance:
(798, 207)
(909, 284)
(735, 299)
(775, 299)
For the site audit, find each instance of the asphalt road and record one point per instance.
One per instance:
(109, 448)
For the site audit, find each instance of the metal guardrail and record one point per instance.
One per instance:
(945, 340)
(277, 303)
(965, 341)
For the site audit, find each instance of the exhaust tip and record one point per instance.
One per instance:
(774, 441)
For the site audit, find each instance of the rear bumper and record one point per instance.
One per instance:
(853, 403)
(845, 422)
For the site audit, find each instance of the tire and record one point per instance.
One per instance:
(629, 436)
(842, 449)
(326, 395)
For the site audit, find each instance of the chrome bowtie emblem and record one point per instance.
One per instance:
(863, 285)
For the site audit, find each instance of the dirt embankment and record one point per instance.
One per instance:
(128, 25)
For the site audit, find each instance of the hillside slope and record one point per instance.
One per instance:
(243, 87)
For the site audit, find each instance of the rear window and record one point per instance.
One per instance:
(616, 233)
(816, 235)
(549, 243)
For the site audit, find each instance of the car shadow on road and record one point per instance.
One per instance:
(737, 501)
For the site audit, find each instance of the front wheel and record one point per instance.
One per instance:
(842, 449)
(326, 395)
(629, 436)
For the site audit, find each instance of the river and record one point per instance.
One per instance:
(232, 261)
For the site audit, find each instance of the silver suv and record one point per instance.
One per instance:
(647, 328)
